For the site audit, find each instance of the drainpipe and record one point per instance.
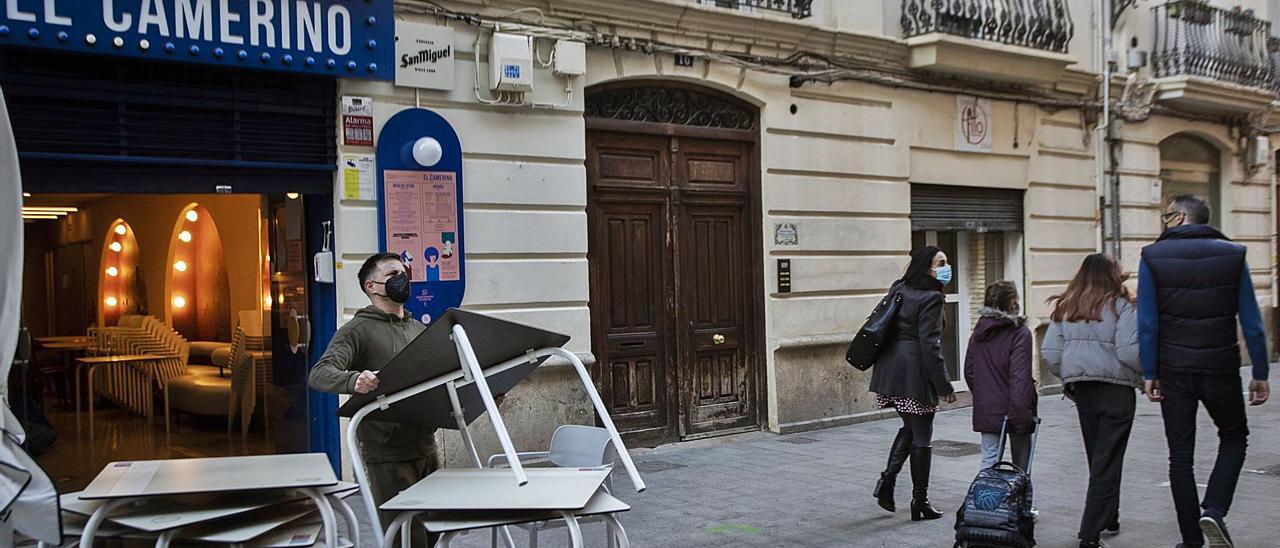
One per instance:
(1111, 146)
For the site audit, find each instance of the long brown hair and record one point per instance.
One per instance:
(1098, 283)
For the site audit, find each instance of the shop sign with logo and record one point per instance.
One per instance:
(973, 124)
(424, 56)
(357, 121)
(331, 37)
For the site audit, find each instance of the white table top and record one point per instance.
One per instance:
(496, 489)
(249, 527)
(443, 522)
(158, 515)
(210, 475)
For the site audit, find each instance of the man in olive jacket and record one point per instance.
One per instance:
(396, 455)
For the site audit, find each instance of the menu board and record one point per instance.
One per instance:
(422, 223)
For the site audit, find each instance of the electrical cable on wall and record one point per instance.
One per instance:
(801, 66)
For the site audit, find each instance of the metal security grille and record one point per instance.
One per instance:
(74, 114)
(938, 207)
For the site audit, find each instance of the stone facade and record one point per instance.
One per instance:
(837, 160)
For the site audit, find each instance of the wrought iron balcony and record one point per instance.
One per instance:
(797, 9)
(1273, 56)
(1196, 39)
(1039, 24)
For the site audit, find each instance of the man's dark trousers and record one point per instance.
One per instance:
(1223, 398)
(1106, 420)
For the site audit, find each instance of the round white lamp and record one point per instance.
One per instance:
(427, 152)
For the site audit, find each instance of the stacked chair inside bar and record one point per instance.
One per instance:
(130, 387)
(250, 376)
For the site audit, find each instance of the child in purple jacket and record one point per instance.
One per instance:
(997, 369)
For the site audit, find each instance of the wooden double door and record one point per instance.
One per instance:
(673, 268)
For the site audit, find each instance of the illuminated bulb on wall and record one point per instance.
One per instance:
(280, 298)
(113, 271)
(121, 230)
(291, 195)
(193, 216)
(266, 301)
(179, 302)
(180, 266)
(185, 236)
(111, 301)
(116, 247)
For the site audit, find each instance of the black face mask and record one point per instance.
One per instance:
(397, 288)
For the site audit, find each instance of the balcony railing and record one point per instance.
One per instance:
(1196, 39)
(1273, 55)
(797, 9)
(1040, 24)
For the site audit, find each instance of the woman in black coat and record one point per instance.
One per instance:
(910, 376)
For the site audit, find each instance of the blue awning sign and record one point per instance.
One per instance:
(348, 38)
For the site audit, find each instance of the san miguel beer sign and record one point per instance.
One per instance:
(326, 37)
(424, 56)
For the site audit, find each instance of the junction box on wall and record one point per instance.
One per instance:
(511, 63)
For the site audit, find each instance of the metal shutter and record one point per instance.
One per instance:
(940, 207)
(97, 123)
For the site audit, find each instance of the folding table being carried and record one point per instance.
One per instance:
(447, 378)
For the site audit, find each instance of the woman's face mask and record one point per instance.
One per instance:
(943, 273)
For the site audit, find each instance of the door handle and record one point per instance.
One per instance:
(717, 339)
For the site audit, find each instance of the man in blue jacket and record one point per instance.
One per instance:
(1192, 284)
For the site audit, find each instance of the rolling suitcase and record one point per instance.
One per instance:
(997, 511)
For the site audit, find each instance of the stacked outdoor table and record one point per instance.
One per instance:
(272, 500)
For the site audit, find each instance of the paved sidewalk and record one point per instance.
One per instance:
(813, 489)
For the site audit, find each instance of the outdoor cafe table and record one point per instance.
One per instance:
(121, 484)
(137, 392)
(493, 498)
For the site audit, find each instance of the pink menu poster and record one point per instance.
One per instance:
(421, 215)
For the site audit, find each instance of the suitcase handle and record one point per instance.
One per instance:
(1035, 436)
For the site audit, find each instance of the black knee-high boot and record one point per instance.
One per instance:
(889, 478)
(921, 461)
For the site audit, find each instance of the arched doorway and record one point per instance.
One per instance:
(1191, 165)
(197, 288)
(674, 247)
(122, 287)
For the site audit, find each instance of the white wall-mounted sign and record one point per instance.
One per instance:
(786, 234)
(424, 56)
(973, 124)
(357, 121)
(358, 177)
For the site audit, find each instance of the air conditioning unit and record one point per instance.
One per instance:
(511, 62)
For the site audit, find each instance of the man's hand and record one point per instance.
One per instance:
(949, 398)
(1259, 392)
(1152, 390)
(367, 382)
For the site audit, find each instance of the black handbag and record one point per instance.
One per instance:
(869, 342)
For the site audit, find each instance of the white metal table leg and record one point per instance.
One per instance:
(326, 515)
(349, 516)
(95, 520)
(575, 530)
(617, 532)
(389, 536)
(166, 538)
(446, 540)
